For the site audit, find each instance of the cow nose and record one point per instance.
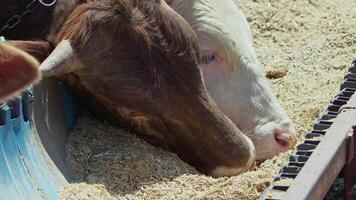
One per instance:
(284, 139)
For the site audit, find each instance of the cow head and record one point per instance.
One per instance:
(233, 76)
(140, 60)
(17, 71)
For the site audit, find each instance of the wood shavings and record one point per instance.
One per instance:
(284, 182)
(274, 74)
(313, 42)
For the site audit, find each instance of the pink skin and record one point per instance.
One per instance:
(282, 138)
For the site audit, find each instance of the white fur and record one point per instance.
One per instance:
(231, 171)
(227, 171)
(237, 84)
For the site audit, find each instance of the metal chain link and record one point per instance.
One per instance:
(16, 19)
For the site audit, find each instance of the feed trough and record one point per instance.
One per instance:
(329, 147)
(33, 131)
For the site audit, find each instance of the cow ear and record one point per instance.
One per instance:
(62, 60)
(17, 71)
(38, 49)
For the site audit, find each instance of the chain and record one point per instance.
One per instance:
(16, 19)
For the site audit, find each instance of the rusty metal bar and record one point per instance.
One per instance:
(327, 160)
(350, 168)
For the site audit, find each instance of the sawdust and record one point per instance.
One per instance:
(284, 182)
(278, 194)
(275, 194)
(316, 138)
(84, 191)
(276, 73)
(311, 41)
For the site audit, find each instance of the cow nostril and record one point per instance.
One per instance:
(283, 139)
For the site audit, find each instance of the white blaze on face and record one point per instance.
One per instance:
(232, 171)
(233, 76)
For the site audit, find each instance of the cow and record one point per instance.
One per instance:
(17, 71)
(139, 62)
(233, 76)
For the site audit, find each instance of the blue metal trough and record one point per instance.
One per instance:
(32, 143)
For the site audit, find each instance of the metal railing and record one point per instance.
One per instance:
(327, 149)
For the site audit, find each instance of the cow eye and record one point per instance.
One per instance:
(208, 58)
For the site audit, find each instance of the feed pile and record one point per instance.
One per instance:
(304, 47)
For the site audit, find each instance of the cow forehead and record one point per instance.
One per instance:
(162, 43)
(151, 21)
(220, 26)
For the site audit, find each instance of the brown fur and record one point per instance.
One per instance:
(169, 2)
(142, 68)
(17, 71)
(160, 86)
(38, 49)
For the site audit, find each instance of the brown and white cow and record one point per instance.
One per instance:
(233, 76)
(17, 71)
(139, 61)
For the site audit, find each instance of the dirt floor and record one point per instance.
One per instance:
(305, 47)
